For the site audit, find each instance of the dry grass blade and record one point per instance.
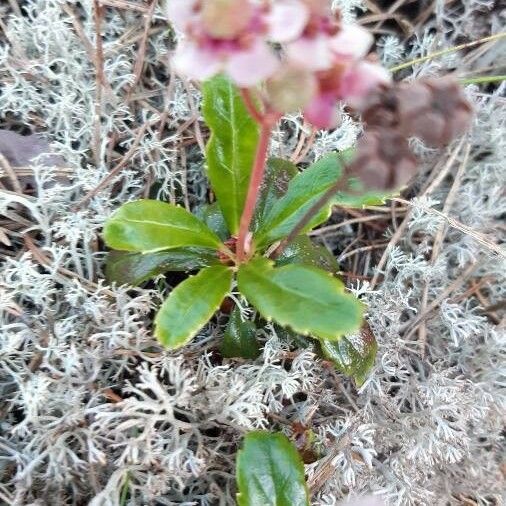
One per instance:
(126, 5)
(436, 302)
(117, 169)
(438, 242)
(11, 173)
(479, 237)
(141, 54)
(437, 178)
(99, 80)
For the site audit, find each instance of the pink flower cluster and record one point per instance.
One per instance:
(308, 59)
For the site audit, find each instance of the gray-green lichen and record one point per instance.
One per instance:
(92, 411)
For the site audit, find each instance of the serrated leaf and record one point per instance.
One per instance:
(239, 339)
(127, 268)
(148, 226)
(270, 472)
(303, 191)
(308, 300)
(278, 174)
(230, 151)
(212, 216)
(353, 354)
(304, 251)
(190, 305)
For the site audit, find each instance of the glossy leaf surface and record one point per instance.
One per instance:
(126, 268)
(230, 151)
(270, 472)
(358, 196)
(304, 251)
(308, 300)
(239, 339)
(212, 216)
(278, 174)
(190, 305)
(303, 191)
(353, 354)
(151, 225)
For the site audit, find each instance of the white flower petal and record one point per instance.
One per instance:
(286, 20)
(181, 13)
(312, 53)
(196, 63)
(251, 66)
(353, 41)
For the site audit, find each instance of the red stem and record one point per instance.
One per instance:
(250, 105)
(257, 175)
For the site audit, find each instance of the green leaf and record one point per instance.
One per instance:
(270, 472)
(190, 305)
(126, 268)
(230, 151)
(359, 197)
(353, 354)
(278, 174)
(292, 337)
(239, 339)
(303, 191)
(148, 226)
(306, 299)
(304, 251)
(212, 216)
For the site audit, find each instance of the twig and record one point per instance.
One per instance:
(99, 79)
(436, 302)
(482, 239)
(327, 467)
(78, 27)
(484, 302)
(307, 147)
(402, 227)
(114, 172)
(11, 173)
(300, 145)
(438, 242)
(443, 173)
(141, 53)
(360, 250)
(345, 223)
(125, 4)
(195, 112)
(449, 50)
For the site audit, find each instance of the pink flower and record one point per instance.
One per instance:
(348, 81)
(231, 36)
(324, 38)
(359, 80)
(335, 53)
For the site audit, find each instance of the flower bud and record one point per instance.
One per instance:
(291, 89)
(435, 110)
(384, 160)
